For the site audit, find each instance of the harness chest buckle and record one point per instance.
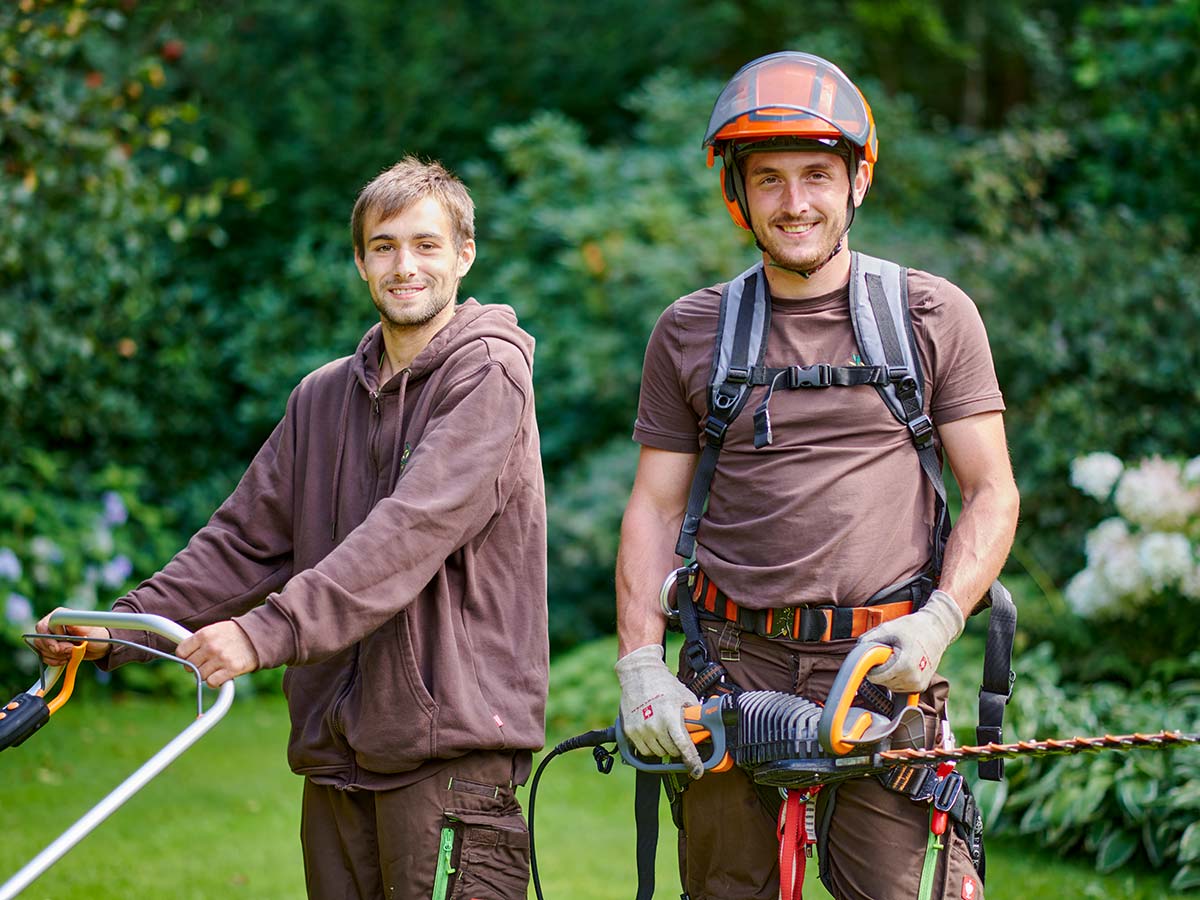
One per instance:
(922, 430)
(818, 375)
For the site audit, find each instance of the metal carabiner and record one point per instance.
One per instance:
(664, 595)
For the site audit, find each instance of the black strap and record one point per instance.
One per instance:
(645, 819)
(725, 402)
(998, 676)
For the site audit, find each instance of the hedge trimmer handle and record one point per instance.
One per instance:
(839, 736)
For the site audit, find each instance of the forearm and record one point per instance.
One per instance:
(979, 542)
(646, 555)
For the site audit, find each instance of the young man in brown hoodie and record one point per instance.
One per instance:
(388, 545)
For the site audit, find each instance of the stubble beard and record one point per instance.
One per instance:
(437, 298)
(801, 262)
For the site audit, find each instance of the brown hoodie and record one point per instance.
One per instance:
(388, 544)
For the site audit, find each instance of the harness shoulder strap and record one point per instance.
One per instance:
(883, 331)
(741, 342)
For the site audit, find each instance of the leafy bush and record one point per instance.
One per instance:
(69, 537)
(1111, 806)
(105, 341)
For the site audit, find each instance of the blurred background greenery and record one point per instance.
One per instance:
(176, 179)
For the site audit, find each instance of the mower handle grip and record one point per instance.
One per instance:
(98, 619)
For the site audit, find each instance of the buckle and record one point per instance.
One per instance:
(946, 792)
(714, 430)
(921, 429)
(737, 375)
(818, 375)
(907, 387)
(984, 693)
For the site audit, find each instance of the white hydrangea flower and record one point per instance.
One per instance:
(1108, 538)
(1166, 558)
(1153, 495)
(1087, 593)
(1121, 570)
(1096, 473)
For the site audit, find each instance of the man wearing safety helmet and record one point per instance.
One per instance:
(825, 510)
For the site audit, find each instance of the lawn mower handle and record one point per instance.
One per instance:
(149, 769)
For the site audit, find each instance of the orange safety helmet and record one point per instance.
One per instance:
(788, 100)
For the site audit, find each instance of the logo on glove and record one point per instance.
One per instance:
(647, 712)
(923, 664)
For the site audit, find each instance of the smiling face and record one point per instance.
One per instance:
(798, 204)
(411, 263)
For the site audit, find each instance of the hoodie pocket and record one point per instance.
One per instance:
(390, 719)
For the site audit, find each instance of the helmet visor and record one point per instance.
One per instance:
(783, 94)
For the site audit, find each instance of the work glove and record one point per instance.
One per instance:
(652, 702)
(918, 641)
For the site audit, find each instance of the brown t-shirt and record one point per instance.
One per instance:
(836, 508)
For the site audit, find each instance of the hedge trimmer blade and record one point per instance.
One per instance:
(982, 752)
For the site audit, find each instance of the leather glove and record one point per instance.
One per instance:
(652, 702)
(918, 641)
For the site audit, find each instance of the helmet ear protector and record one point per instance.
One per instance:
(787, 101)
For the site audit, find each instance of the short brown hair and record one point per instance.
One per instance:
(398, 187)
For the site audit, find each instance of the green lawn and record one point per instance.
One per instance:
(222, 821)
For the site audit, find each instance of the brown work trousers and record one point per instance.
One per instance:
(728, 846)
(367, 845)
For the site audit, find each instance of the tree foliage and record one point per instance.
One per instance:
(177, 180)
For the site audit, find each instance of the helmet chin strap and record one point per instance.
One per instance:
(809, 273)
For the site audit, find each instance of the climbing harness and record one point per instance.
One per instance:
(884, 337)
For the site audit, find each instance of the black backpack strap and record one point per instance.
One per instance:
(741, 341)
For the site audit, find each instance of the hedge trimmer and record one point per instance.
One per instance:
(790, 742)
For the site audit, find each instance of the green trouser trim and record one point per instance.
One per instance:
(441, 877)
(932, 846)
